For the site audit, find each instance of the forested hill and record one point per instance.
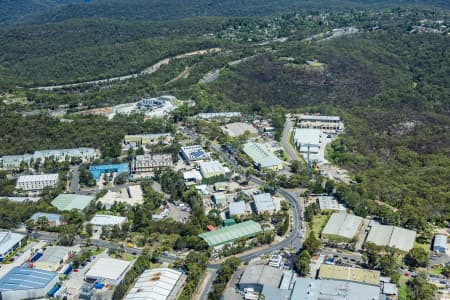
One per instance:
(13, 10)
(177, 9)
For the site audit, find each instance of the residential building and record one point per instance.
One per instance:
(26, 283)
(9, 162)
(193, 153)
(342, 226)
(36, 182)
(229, 234)
(9, 241)
(263, 159)
(157, 284)
(52, 219)
(98, 170)
(440, 243)
(324, 123)
(391, 236)
(72, 201)
(147, 164)
(52, 259)
(264, 203)
(108, 270)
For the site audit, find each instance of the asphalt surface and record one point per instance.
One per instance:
(285, 140)
(75, 179)
(294, 238)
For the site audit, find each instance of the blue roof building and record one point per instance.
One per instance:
(98, 170)
(440, 243)
(26, 283)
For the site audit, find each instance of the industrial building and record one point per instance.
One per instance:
(131, 195)
(229, 234)
(192, 177)
(440, 243)
(213, 171)
(258, 276)
(26, 283)
(157, 284)
(329, 203)
(36, 182)
(369, 277)
(72, 201)
(220, 199)
(342, 226)
(52, 258)
(193, 153)
(216, 115)
(263, 159)
(324, 123)
(9, 241)
(14, 161)
(150, 104)
(138, 140)
(317, 289)
(147, 164)
(307, 140)
(238, 208)
(52, 219)
(107, 220)
(98, 170)
(108, 271)
(391, 236)
(264, 203)
(239, 128)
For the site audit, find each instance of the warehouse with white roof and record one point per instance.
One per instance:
(213, 171)
(262, 157)
(36, 182)
(9, 241)
(107, 220)
(342, 226)
(306, 139)
(108, 270)
(157, 284)
(264, 203)
(391, 236)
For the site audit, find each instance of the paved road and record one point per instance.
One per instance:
(75, 179)
(285, 140)
(294, 239)
(149, 70)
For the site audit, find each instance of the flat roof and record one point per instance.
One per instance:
(319, 118)
(313, 289)
(8, 240)
(108, 268)
(440, 240)
(194, 152)
(156, 284)
(343, 224)
(263, 275)
(53, 255)
(261, 155)
(211, 167)
(97, 170)
(49, 216)
(105, 220)
(237, 208)
(231, 233)
(329, 203)
(305, 136)
(25, 279)
(71, 201)
(239, 128)
(392, 236)
(365, 276)
(264, 202)
(37, 178)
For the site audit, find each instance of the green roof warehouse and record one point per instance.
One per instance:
(231, 233)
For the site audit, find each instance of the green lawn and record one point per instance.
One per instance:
(94, 250)
(318, 223)
(403, 289)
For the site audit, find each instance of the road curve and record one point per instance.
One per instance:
(293, 239)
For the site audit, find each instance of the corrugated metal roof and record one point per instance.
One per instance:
(231, 233)
(26, 278)
(264, 202)
(71, 201)
(343, 224)
(261, 155)
(387, 235)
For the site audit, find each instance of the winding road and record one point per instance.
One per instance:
(149, 70)
(294, 238)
